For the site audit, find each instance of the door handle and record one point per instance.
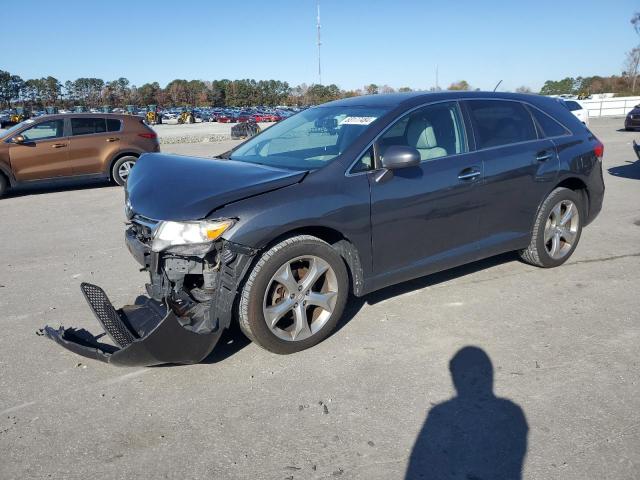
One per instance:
(543, 156)
(59, 145)
(112, 139)
(468, 174)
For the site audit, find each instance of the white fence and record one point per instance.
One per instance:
(610, 107)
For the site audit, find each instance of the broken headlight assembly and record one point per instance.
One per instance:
(171, 234)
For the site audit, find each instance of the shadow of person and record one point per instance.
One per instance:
(475, 435)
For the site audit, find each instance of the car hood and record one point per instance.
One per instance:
(175, 187)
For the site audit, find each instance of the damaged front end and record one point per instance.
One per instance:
(189, 304)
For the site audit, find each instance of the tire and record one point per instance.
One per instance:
(4, 185)
(262, 291)
(118, 170)
(552, 242)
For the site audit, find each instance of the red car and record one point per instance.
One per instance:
(247, 116)
(226, 118)
(271, 117)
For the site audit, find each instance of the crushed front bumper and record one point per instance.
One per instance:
(145, 334)
(170, 325)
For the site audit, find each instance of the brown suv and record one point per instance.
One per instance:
(73, 145)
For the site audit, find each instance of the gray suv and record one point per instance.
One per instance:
(345, 198)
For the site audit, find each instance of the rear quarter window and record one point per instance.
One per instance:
(501, 122)
(113, 125)
(572, 106)
(548, 126)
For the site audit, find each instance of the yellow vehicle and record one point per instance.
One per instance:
(20, 115)
(186, 117)
(153, 116)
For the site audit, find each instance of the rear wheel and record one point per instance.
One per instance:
(294, 296)
(556, 231)
(122, 168)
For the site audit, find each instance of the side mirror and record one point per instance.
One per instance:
(400, 156)
(18, 139)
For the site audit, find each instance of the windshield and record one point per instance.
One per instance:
(4, 133)
(310, 139)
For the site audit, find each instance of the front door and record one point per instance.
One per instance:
(426, 218)
(43, 154)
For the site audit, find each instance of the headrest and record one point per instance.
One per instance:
(420, 134)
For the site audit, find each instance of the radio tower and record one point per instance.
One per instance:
(319, 43)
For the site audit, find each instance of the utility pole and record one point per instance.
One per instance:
(319, 43)
(437, 88)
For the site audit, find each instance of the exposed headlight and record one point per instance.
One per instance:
(169, 234)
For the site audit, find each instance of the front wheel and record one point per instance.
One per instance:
(294, 296)
(4, 185)
(556, 231)
(122, 168)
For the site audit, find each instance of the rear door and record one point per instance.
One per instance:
(91, 143)
(44, 153)
(519, 168)
(425, 218)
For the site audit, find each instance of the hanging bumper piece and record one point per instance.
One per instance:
(145, 334)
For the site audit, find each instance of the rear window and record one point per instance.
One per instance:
(573, 106)
(501, 122)
(549, 127)
(87, 126)
(113, 124)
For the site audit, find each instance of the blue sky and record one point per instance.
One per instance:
(395, 42)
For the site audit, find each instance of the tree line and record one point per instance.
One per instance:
(622, 85)
(95, 92)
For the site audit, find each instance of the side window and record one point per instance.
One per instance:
(500, 122)
(435, 131)
(365, 163)
(572, 106)
(113, 125)
(44, 130)
(549, 127)
(87, 126)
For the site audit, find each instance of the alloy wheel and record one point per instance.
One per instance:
(125, 169)
(300, 298)
(561, 229)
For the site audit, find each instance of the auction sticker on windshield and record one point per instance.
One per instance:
(357, 120)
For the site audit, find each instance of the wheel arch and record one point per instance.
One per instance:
(578, 186)
(118, 156)
(345, 248)
(572, 183)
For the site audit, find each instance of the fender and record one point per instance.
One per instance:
(6, 170)
(125, 151)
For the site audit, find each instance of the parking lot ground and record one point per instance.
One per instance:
(564, 345)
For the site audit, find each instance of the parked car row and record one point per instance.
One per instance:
(233, 115)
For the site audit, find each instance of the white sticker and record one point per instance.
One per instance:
(357, 120)
(29, 121)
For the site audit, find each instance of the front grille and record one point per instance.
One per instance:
(107, 315)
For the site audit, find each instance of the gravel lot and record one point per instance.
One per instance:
(564, 344)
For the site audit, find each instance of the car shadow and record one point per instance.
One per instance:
(233, 340)
(474, 435)
(631, 170)
(230, 343)
(56, 186)
(355, 304)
